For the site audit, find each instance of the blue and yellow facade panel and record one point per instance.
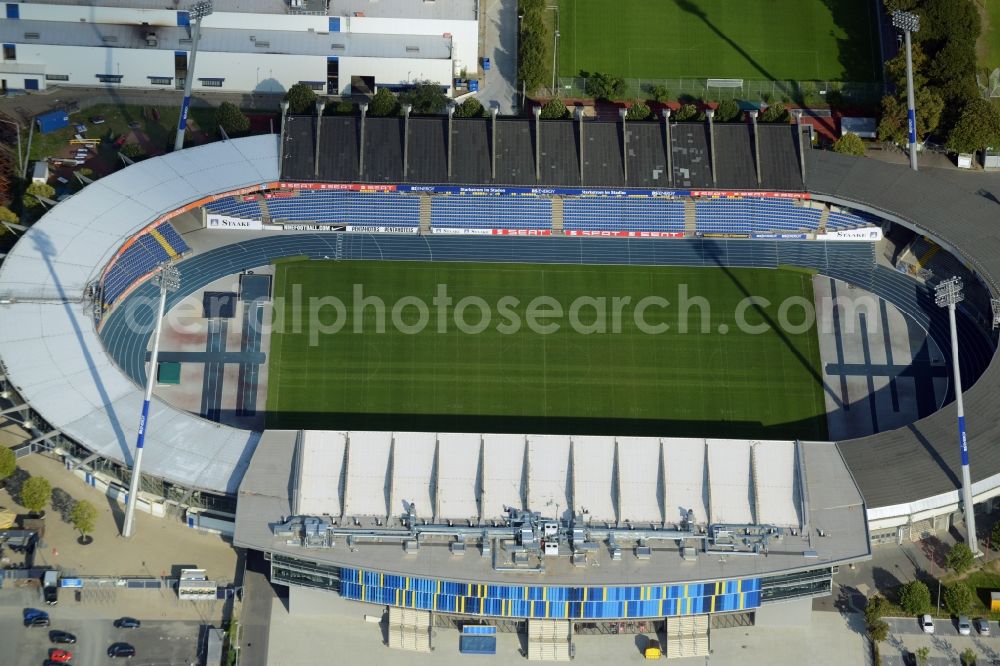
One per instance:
(534, 601)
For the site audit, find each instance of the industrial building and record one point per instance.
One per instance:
(264, 46)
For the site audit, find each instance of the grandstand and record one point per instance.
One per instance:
(747, 216)
(359, 208)
(490, 212)
(140, 257)
(598, 213)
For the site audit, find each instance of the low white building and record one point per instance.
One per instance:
(337, 47)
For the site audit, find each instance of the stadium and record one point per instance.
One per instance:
(532, 482)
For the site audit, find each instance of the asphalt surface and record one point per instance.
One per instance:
(498, 88)
(166, 643)
(255, 620)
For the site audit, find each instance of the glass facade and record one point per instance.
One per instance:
(534, 601)
(812, 583)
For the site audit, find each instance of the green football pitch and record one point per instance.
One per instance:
(803, 40)
(331, 368)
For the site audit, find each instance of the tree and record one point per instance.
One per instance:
(231, 119)
(895, 68)
(426, 97)
(958, 598)
(83, 515)
(995, 536)
(894, 126)
(775, 113)
(8, 462)
(849, 144)
(660, 93)
(532, 45)
(133, 151)
(686, 112)
(301, 98)
(959, 558)
(603, 86)
(968, 657)
(978, 127)
(470, 108)
(875, 608)
(8, 216)
(727, 111)
(879, 631)
(638, 111)
(35, 494)
(922, 655)
(35, 190)
(383, 104)
(915, 598)
(554, 109)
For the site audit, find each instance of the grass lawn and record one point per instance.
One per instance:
(156, 136)
(826, 40)
(989, 41)
(568, 381)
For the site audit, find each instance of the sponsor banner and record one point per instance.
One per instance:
(216, 221)
(539, 191)
(749, 194)
(312, 227)
(864, 234)
(343, 187)
(279, 194)
(491, 232)
(370, 229)
(700, 234)
(604, 233)
(781, 236)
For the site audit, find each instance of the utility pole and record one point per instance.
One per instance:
(198, 11)
(169, 280)
(948, 293)
(909, 23)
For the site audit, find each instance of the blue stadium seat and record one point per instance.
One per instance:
(623, 214)
(144, 255)
(491, 212)
(363, 208)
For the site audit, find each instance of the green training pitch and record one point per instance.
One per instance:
(622, 381)
(821, 40)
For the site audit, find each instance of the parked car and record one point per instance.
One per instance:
(127, 623)
(62, 637)
(964, 626)
(37, 621)
(983, 626)
(927, 624)
(486, 64)
(60, 656)
(121, 650)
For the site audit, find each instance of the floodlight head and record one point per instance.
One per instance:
(622, 113)
(536, 111)
(364, 109)
(284, 106)
(168, 277)
(949, 292)
(200, 10)
(709, 113)
(753, 113)
(906, 21)
(320, 105)
(666, 113)
(451, 109)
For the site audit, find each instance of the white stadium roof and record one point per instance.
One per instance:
(473, 476)
(48, 344)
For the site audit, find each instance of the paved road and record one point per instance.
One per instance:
(258, 596)
(500, 18)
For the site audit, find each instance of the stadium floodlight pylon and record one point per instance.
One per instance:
(169, 280)
(196, 13)
(948, 294)
(909, 23)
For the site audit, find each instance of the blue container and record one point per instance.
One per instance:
(473, 85)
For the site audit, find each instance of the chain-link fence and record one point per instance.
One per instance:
(803, 93)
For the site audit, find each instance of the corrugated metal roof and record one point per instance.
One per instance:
(223, 40)
(437, 9)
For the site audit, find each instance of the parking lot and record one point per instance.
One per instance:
(159, 643)
(945, 645)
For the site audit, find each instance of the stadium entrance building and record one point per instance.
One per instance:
(507, 529)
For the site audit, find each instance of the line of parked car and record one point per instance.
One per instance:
(964, 625)
(39, 618)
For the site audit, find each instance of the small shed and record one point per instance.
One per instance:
(40, 172)
(994, 601)
(866, 128)
(52, 121)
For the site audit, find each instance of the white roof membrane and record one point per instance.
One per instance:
(458, 471)
(367, 473)
(503, 473)
(593, 475)
(687, 490)
(548, 474)
(412, 470)
(321, 467)
(729, 481)
(639, 479)
(774, 479)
